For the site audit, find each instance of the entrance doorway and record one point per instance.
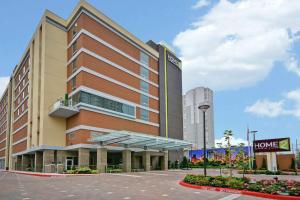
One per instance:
(69, 163)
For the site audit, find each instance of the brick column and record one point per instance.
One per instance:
(126, 160)
(48, 158)
(164, 160)
(146, 160)
(101, 160)
(61, 160)
(25, 162)
(83, 157)
(38, 161)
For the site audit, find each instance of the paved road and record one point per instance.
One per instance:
(135, 186)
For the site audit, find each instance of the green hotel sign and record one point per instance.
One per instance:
(272, 145)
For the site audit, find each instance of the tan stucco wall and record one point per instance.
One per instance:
(53, 84)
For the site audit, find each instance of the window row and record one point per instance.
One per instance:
(3, 111)
(104, 103)
(3, 128)
(21, 109)
(144, 72)
(21, 74)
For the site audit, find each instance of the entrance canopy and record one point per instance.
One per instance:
(138, 140)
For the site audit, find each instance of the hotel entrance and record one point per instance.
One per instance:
(71, 163)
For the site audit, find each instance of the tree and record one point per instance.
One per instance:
(227, 135)
(242, 160)
(184, 163)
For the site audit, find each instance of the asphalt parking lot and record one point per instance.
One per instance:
(136, 186)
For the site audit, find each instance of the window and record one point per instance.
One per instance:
(19, 88)
(107, 104)
(144, 114)
(144, 58)
(74, 65)
(145, 100)
(19, 76)
(23, 94)
(74, 47)
(74, 30)
(74, 83)
(24, 69)
(23, 82)
(18, 112)
(144, 86)
(144, 72)
(22, 107)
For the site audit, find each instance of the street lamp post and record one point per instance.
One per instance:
(204, 109)
(254, 156)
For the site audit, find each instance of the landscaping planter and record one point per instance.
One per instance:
(244, 192)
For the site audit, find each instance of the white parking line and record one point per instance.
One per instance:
(129, 175)
(231, 197)
(153, 173)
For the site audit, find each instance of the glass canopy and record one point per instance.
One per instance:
(138, 140)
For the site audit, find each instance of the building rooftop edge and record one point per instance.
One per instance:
(68, 21)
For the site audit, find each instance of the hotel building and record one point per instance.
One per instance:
(87, 92)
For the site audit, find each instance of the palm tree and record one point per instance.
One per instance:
(227, 135)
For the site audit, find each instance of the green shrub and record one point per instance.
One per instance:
(71, 172)
(273, 173)
(190, 179)
(235, 183)
(219, 181)
(184, 163)
(272, 189)
(294, 191)
(255, 187)
(94, 171)
(84, 170)
(201, 180)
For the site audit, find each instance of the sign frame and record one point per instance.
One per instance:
(272, 145)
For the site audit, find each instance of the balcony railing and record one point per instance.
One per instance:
(63, 108)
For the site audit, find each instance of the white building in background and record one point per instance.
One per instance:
(193, 117)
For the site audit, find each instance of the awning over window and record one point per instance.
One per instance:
(138, 140)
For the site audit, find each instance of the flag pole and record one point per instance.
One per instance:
(249, 148)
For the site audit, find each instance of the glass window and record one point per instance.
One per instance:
(74, 47)
(144, 72)
(106, 103)
(145, 100)
(74, 65)
(85, 98)
(144, 86)
(144, 114)
(74, 30)
(144, 58)
(74, 83)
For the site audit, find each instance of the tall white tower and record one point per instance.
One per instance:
(193, 117)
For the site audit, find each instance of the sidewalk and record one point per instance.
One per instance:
(47, 174)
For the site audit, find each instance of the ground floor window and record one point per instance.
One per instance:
(2, 164)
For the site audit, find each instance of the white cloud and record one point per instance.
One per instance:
(237, 43)
(234, 141)
(266, 108)
(201, 4)
(288, 105)
(3, 84)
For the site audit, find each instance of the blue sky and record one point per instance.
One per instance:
(246, 51)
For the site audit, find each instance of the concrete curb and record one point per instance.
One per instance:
(49, 174)
(244, 192)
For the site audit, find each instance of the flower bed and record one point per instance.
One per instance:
(274, 187)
